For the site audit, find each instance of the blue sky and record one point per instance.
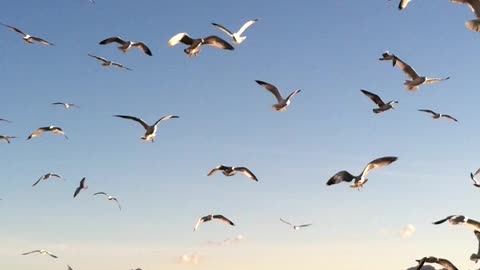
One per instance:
(330, 50)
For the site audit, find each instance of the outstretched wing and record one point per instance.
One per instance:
(144, 47)
(39, 179)
(118, 203)
(100, 193)
(442, 220)
(42, 41)
(286, 222)
(375, 98)
(120, 66)
(272, 89)
(34, 251)
(223, 29)
(14, 29)
(165, 118)
(98, 58)
(181, 37)
(245, 26)
(246, 172)
(140, 121)
(217, 43)
(223, 219)
(342, 176)
(406, 68)
(305, 225)
(428, 111)
(474, 5)
(112, 39)
(218, 168)
(449, 117)
(377, 164)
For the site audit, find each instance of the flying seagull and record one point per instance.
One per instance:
(196, 43)
(7, 138)
(53, 129)
(360, 180)
(126, 45)
(403, 4)
(443, 262)
(107, 63)
(110, 198)
(415, 79)
(46, 176)
(80, 187)
(282, 104)
(438, 115)
(474, 5)
(27, 38)
(382, 106)
(150, 131)
(475, 181)
(213, 217)
(41, 251)
(66, 105)
(295, 227)
(231, 171)
(237, 37)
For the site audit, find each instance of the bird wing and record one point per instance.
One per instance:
(375, 98)
(145, 125)
(478, 171)
(51, 255)
(100, 193)
(377, 164)
(428, 111)
(293, 94)
(37, 132)
(223, 219)
(39, 179)
(34, 251)
(165, 118)
(435, 80)
(199, 221)
(447, 264)
(58, 103)
(118, 203)
(421, 262)
(342, 176)
(406, 68)
(77, 191)
(142, 46)
(42, 41)
(246, 172)
(304, 225)
(55, 175)
(442, 220)
(474, 5)
(217, 43)
(403, 4)
(98, 58)
(245, 26)
(14, 29)
(112, 39)
(223, 29)
(120, 65)
(274, 90)
(181, 37)
(5, 120)
(449, 117)
(472, 176)
(286, 222)
(70, 268)
(218, 168)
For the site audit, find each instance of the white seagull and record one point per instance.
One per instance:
(66, 105)
(126, 45)
(443, 262)
(7, 138)
(53, 129)
(150, 131)
(403, 4)
(110, 198)
(282, 104)
(27, 38)
(475, 181)
(474, 5)
(107, 63)
(41, 251)
(46, 176)
(382, 106)
(415, 79)
(438, 115)
(230, 171)
(80, 187)
(360, 180)
(194, 44)
(295, 227)
(213, 217)
(237, 37)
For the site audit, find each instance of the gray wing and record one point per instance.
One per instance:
(218, 168)
(377, 164)
(246, 172)
(14, 29)
(286, 222)
(223, 219)
(112, 39)
(305, 225)
(428, 111)
(98, 58)
(165, 118)
(34, 251)
(447, 264)
(223, 29)
(42, 41)
(449, 117)
(406, 68)
(100, 193)
(375, 98)
(118, 203)
(142, 46)
(442, 220)
(272, 89)
(421, 262)
(474, 5)
(39, 179)
(342, 176)
(120, 66)
(140, 121)
(217, 43)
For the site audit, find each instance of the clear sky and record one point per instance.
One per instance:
(329, 49)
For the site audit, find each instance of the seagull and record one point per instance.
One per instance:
(438, 115)
(360, 180)
(237, 37)
(377, 100)
(282, 104)
(27, 38)
(195, 44)
(80, 187)
(150, 131)
(126, 45)
(295, 227)
(443, 262)
(5, 120)
(213, 217)
(66, 105)
(231, 171)
(46, 176)
(474, 5)
(107, 63)
(415, 79)
(110, 198)
(403, 4)
(7, 138)
(41, 251)
(53, 129)
(475, 181)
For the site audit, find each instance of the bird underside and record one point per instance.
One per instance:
(359, 184)
(280, 107)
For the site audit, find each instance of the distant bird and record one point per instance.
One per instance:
(5, 120)
(80, 187)
(474, 5)
(66, 105)
(53, 129)
(360, 180)
(282, 104)
(107, 63)
(295, 227)
(438, 115)
(110, 198)
(237, 37)
(41, 251)
(377, 100)
(126, 45)
(7, 138)
(27, 38)
(443, 262)
(213, 217)
(46, 176)
(230, 171)
(196, 43)
(150, 131)
(475, 181)
(416, 80)
(403, 4)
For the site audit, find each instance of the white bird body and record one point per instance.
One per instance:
(282, 103)
(237, 36)
(150, 130)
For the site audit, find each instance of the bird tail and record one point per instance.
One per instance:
(473, 25)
